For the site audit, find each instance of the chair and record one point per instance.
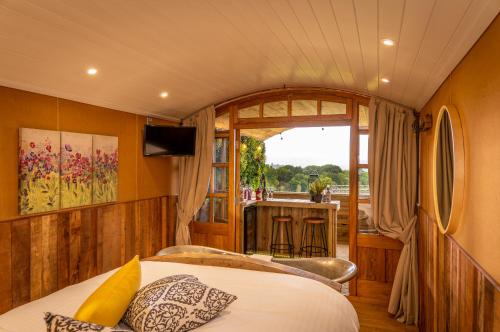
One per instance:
(280, 222)
(311, 247)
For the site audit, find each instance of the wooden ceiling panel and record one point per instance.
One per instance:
(432, 45)
(203, 52)
(367, 27)
(390, 23)
(415, 23)
(345, 16)
(326, 18)
(313, 40)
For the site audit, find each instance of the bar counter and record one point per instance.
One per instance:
(298, 209)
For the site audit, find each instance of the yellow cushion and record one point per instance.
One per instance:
(109, 302)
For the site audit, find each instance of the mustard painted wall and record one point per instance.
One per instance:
(139, 177)
(474, 89)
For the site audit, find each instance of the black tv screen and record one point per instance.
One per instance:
(169, 141)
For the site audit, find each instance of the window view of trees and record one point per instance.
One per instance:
(252, 161)
(295, 178)
(288, 177)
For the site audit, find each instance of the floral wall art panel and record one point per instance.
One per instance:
(76, 169)
(105, 170)
(39, 157)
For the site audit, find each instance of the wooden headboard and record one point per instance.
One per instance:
(44, 253)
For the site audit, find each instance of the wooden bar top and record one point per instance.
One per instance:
(293, 203)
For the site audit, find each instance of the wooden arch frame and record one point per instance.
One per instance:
(376, 255)
(289, 94)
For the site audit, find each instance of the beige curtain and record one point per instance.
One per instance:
(444, 169)
(392, 158)
(194, 173)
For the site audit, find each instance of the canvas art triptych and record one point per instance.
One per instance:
(59, 170)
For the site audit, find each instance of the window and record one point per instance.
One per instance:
(333, 108)
(304, 107)
(363, 149)
(290, 158)
(215, 206)
(363, 117)
(249, 112)
(275, 109)
(365, 219)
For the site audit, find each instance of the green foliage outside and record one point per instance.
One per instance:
(252, 161)
(286, 177)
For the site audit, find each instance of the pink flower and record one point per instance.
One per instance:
(49, 148)
(68, 147)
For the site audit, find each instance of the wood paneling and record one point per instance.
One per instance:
(41, 254)
(377, 260)
(456, 294)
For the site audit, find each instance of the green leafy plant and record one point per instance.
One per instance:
(252, 161)
(317, 187)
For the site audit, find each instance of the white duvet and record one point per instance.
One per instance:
(266, 301)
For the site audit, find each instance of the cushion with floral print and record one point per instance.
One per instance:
(59, 323)
(176, 303)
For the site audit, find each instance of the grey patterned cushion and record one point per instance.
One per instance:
(175, 304)
(59, 323)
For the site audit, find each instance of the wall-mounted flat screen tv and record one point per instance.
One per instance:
(169, 141)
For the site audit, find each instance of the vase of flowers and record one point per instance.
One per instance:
(316, 189)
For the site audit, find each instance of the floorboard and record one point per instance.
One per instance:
(373, 317)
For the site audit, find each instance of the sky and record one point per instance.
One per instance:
(312, 146)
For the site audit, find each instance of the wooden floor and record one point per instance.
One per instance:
(374, 316)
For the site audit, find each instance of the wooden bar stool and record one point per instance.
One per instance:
(280, 222)
(309, 226)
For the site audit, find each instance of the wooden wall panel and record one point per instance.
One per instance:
(456, 294)
(21, 269)
(44, 253)
(377, 260)
(5, 267)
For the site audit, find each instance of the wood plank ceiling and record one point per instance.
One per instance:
(203, 52)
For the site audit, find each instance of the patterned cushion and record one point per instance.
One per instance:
(175, 304)
(59, 323)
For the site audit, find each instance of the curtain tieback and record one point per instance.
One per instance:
(408, 231)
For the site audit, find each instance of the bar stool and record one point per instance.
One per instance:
(280, 222)
(309, 226)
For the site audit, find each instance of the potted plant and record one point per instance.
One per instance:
(316, 189)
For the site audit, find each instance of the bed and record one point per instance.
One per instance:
(266, 301)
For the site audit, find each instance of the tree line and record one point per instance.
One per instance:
(286, 177)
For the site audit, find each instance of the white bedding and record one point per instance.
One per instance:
(266, 301)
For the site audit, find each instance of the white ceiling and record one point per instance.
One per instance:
(203, 52)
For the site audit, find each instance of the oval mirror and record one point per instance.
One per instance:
(448, 169)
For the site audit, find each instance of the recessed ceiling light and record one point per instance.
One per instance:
(91, 71)
(164, 94)
(385, 80)
(388, 42)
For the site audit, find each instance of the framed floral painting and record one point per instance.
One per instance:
(39, 157)
(105, 170)
(76, 169)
